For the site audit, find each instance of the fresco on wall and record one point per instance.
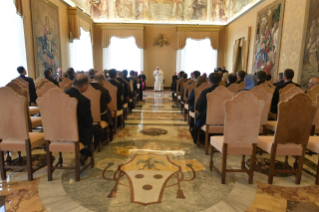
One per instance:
(267, 38)
(310, 62)
(46, 36)
(216, 11)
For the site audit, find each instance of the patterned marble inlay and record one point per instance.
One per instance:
(153, 131)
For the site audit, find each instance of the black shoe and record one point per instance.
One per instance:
(83, 159)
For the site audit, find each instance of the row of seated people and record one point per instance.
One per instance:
(276, 93)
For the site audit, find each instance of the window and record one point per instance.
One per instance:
(81, 52)
(123, 53)
(196, 55)
(12, 43)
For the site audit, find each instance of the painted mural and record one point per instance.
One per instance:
(267, 38)
(310, 63)
(46, 36)
(164, 10)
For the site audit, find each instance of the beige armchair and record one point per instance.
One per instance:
(65, 84)
(40, 83)
(14, 135)
(242, 85)
(198, 91)
(240, 137)
(285, 89)
(113, 104)
(95, 97)
(215, 113)
(45, 88)
(186, 106)
(295, 117)
(183, 98)
(61, 130)
(234, 88)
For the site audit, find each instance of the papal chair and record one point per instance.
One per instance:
(94, 96)
(113, 104)
(45, 88)
(271, 125)
(14, 132)
(262, 93)
(215, 114)
(294, 123)
(234, 88)
(61, 130)
(66, 84)
(242, 121)
(186, 106)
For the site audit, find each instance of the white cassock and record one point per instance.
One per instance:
(158, 85)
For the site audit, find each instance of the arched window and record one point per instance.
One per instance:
(12, 43)
(196, 55)
(81, 52)
(123, 53)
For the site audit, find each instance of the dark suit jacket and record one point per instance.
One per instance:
(84, 115)
(105, 99)
(277, 83)
(191, 100)
(201, 106)
(120, 93)
(32, 91)
(53, 81)
(71, 77)
(275, 98)
(126, 86)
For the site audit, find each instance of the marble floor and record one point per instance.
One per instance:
(153, 165)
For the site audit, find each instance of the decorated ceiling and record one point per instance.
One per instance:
(174, 11)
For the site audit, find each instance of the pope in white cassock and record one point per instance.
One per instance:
(159, 76)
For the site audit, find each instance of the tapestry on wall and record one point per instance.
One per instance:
(268, 38)
(46, 36)
(310, 62)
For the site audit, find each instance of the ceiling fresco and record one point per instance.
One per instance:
(174, 11)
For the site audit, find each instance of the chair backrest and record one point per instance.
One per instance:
(289, 93)
(65, 84)
(24, 86)
(199, 89)
(131, 85)
(113, 93)
(316, 119)
(270, 84)
(242, 118)
(269, 89)
(40, 83)
(261, 93)
(234, 88)
(185, 85)
(38, 80)
(22, 81)
(45, 88)
(95, 96)
(177, 83)
(59, 124)
(312, 93)
(295, 118)
(242, 85)
(13, 115)
(215, 105)
(288, 87)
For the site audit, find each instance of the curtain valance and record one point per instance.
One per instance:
(78, 19)
(122, 32)
(19, 7)
(183, 35)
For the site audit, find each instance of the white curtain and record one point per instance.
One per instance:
(13, 52)
(123, 53)
(81, 52)
(196, 55)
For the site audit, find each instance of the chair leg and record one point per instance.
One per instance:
(272, 163)
(2, 168)
(122, 121)
(206, 141)
(252, 164)
(115, 123)
(317, 178)
(198, 136)
(223, 179)
(300, 165)
(77, 161)
(211, 164)
(49, 160)
(29, 160)
(92, 155)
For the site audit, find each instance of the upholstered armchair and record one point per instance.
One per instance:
(242, 121)
(61, 130)
(95, 97)
(66, 84)
(198, 91)
(113, 104)
(234, 88)
(215, 113)
(14, 132)
(183, 98)
(40, 83)
(186, 106)
(242, 85)
(45, 88)
(294, 123)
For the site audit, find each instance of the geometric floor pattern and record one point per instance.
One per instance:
(153, 165)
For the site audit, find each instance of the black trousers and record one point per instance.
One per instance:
(98, 135)
(194, 133)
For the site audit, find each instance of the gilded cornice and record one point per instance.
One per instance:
(199, 28)
(122, 27)
(76, 11)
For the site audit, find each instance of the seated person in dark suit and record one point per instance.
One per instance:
(32, 91)
(105, 99)
(92, 74)
(191, 99)
(232, 78)
(48, 75)
(84, 115)
(71, 73)
(126, 86)
(287, 77)
(120, 88)
(261, 77)
(280, 79)
(135, 90)
(240, 76)
(201, 105)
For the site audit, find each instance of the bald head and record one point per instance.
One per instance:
(81, 82)
(313, 82)
(99, 78)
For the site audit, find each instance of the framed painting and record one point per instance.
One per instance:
(46, 36)
(268, 38)
(309, 63)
